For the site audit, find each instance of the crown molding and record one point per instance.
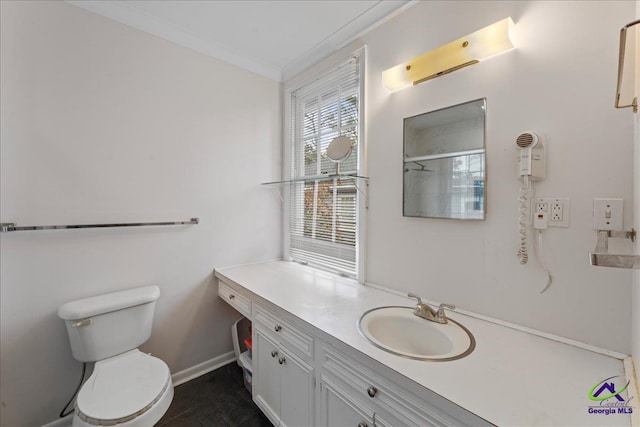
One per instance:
(372, 18)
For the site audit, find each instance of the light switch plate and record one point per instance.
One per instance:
(608, 214)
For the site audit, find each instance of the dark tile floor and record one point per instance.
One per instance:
(218, 398)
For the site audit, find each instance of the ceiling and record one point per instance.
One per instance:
(277, 39)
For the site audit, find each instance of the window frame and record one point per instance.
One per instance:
(292, 85)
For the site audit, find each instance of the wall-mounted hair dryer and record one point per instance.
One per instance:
(531, 159)
(531, 167)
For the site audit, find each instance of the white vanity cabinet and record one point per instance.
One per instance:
(302, 378)
(331, 376)
(283, 377)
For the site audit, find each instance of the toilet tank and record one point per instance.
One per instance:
(110, 324)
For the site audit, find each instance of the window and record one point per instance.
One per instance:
(323, 214)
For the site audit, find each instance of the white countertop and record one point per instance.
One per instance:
(512, 378)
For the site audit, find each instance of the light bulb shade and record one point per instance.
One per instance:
(396, 78)
(465, 51)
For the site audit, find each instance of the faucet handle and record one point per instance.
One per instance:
(412, 295)
(441, 308)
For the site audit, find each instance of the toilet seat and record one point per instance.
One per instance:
(123, 388)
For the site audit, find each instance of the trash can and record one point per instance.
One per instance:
(240, 331)
(247, 370)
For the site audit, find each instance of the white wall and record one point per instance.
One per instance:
(104, 123)
(560, 82)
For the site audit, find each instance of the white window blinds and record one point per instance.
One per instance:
(323, 213)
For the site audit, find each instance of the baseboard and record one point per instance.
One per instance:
(177, 378)
(202, 368)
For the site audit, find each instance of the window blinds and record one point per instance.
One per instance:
(323, 213)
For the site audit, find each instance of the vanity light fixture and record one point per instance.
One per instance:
(460, 53)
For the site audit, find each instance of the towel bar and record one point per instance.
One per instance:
(6, 227)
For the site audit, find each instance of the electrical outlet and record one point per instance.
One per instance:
(541, 207)
(557, 210)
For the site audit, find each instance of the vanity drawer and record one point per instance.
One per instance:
(235, 299)
(284, 332)
(391, 399)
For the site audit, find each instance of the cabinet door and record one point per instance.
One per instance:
(339, 410)
(296, 392)
(266, 376)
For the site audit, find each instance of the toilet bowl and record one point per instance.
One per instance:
(127, 388)
(132, 389)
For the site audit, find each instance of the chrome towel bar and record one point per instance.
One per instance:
(6, 227)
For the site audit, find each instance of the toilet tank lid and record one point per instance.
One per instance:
(87, 307)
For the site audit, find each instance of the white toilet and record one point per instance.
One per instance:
(127, 388)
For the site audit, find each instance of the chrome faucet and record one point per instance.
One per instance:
(426, 312)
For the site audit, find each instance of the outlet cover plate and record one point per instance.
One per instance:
(558, 210)
(608, 214)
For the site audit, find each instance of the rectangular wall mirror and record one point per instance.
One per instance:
(444, 163)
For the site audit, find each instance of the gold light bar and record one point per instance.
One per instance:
(452, 56)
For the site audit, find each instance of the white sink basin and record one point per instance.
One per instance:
(398, 331)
